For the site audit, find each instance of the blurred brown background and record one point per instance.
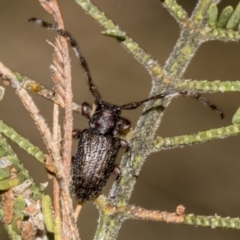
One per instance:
(204, 178)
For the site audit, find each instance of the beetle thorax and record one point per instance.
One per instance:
(104, 120)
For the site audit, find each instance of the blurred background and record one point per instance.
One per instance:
(204, 178)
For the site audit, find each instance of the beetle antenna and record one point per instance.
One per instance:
(197, 96)
(134, 105)
(75, 48)
(204, 100)
(92, 86)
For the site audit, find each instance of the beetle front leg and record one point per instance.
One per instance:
(86, 110)
(124, 125)
(76, 133)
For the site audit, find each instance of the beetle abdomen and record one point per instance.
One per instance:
(93, 164)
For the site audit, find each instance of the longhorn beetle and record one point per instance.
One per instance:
(98, 145)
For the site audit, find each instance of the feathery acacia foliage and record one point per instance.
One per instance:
(21, 197)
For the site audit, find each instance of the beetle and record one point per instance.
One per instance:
(98, 145)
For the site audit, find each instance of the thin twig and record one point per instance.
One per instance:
(208, 86)
(200, 137)
(57, 70)
(57, 209)
(22, 142)
(69, 225)
(56, 192)
(133, 212)
(55, 124)
(37, 88)
(48, 139)
(77, 211)
(33, 110)
(62, 47)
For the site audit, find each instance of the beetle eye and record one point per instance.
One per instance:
(117, 110)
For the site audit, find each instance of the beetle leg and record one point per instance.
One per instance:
(76, 133)
(77, 211)
(124, 125)
(117, 171)
(86, 110)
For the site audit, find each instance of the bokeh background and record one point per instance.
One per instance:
(204, 178)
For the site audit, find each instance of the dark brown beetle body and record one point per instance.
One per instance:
(93, 164)
(98, 145)
(97, 150)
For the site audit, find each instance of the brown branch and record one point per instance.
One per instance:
(57, 70)
(68, 223)
(77, 211)
(48, 140)
(62, 47)
(133, 212)
(56, 126)
(37, 88)
(8, 202)
(63, 60)
(42, 127)
(57, 209)
(34, 112)
(56, 190)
